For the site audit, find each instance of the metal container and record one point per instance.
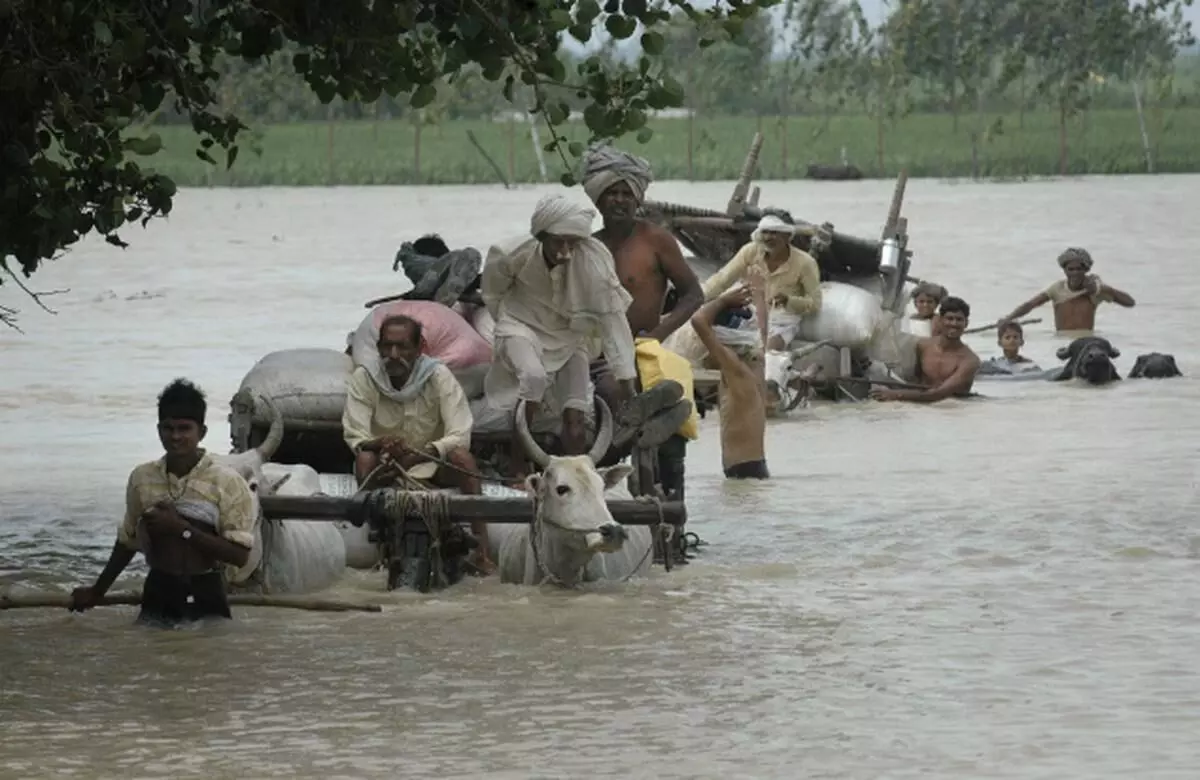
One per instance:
(889, 257)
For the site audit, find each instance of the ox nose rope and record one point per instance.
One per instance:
(660, 529)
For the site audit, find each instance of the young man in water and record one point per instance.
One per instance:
(742, 407)
(186, 514)
(945, 365)
(1075, 297)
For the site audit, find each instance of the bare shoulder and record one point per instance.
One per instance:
(657, 235)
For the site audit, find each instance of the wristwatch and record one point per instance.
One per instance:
(187, 534)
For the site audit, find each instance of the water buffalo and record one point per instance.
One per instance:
(574, 537)
(1154, 365)
(1089, 358)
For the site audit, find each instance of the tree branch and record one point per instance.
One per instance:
(8, 315)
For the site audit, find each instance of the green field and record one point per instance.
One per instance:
(387, 152)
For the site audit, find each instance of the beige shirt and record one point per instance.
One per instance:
(799, 278)
(1060, 293)
(439, 415)
(208, 482)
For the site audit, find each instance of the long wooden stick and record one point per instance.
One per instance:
(63, 601)
(490, 509)
(982, 328)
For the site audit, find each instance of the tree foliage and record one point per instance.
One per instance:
(80, 82)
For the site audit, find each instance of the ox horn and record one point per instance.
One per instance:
(274, 434)
(604, 435)
(526, 438)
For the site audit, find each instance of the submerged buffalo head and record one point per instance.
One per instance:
(1090, 358)
(1154, 365)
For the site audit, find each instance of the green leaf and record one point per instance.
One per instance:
(104, 36)
(567, 179)
(620, 27)
(143, 147)
(586, 12)
(644, 135)
(559, 20)
(558, 113)
(230, 157)
(653, 43)
(575, 148)
(423, 96)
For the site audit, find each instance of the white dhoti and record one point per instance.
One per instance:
(551, 321)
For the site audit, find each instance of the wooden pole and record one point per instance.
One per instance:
(63, 601)
(738, 199)
(491, 509)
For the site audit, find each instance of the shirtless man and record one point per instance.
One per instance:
(945, 365)
(1076, 297)
(743, 412)
(647, 258)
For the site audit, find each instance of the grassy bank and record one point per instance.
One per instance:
(393, 152)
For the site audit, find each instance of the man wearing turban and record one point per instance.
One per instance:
(1076, 297)
(555, 297)
(648, 263)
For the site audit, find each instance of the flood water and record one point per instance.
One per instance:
(1002, 588)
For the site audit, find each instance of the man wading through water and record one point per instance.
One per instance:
(647, 260)
(186, 514)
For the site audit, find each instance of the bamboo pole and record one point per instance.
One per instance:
(738, 199)
(63, 601)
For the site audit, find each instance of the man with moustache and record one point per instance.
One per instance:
(409, 407)
(945, 365)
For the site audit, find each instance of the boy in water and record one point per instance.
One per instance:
(1011, 338)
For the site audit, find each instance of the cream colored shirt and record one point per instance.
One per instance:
(208, 481)
(1060, 293)
(439, 415)
(799, 278)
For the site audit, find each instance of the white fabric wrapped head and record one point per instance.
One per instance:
(605, 165)
(772, 224)
(558, 216)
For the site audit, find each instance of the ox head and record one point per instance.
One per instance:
(570, 489)
(1090, 358)
(1154, 365)
(249, 463)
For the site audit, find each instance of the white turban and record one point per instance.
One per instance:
(604, 166)
(556, 215)
(772, 224)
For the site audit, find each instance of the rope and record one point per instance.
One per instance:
(433, 507)
(548, 576)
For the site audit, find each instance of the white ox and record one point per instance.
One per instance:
(575, 535)
(289, 556)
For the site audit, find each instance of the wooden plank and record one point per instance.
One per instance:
(490, 509)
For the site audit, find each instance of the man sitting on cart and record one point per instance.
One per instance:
(406, 410)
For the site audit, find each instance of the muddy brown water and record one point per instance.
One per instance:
(978, 589)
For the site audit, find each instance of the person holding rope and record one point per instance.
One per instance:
(1075, 297)
(187, 515)
(406, 412)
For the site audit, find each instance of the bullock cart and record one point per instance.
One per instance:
(881, 267)
(415, 534)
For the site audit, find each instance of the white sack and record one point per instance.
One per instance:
(849, 316)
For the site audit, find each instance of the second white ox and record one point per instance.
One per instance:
(574, 537)
(289, 556)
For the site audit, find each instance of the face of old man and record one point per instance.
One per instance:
(559, 249)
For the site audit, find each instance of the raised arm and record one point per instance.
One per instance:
(1119, 297)
(680, 274)
(1038, 300)
(702, 322)
(732, 271)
